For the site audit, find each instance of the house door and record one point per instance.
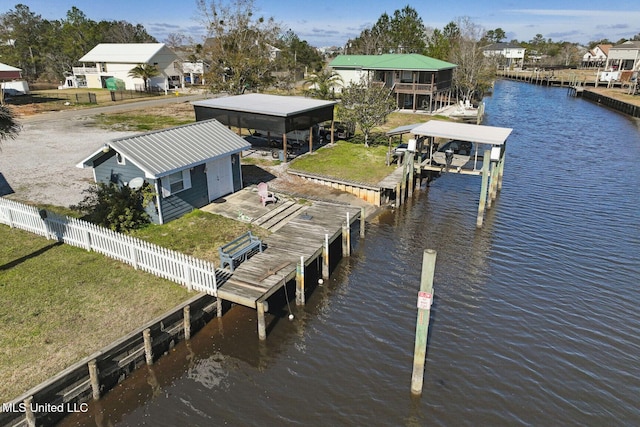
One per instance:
(219, 178)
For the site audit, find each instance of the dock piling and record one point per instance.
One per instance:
(261, 307)
(300, 299)
(94, 379)
(425, 298)
(148, 350)
(187, 322)
(325, 258)
(483, 188)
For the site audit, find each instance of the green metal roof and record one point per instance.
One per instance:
(390, 61)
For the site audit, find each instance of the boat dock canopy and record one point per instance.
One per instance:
(464, 132)
(401, 130)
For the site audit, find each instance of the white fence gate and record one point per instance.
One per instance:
(180, 268)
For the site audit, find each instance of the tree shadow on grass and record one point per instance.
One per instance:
(33, 254)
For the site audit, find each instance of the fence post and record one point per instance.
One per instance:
(187, 274)
(134, 255)
(87, 240)
(10, 216)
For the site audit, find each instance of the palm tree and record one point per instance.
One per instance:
(9, 128)
(322, 83)
(144, 72)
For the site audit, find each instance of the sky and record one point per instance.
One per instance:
(324, 23)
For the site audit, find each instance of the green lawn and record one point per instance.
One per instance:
(198, 233)
(346, 160)
(61, 303)
(351, 160)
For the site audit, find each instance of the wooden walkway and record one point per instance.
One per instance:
(262, 275)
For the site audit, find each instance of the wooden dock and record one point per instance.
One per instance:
(306, 237)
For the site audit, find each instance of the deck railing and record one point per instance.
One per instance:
(85, 70)
(420, 88)
(180, 268)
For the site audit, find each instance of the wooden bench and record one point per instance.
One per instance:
(239, 249)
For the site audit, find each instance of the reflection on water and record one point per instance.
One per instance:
(534, 321)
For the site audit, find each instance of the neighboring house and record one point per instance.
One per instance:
(418, 82)
(194, 72)
(188, 166)
(11, 82)
(7, 72)
(511, 54)
(625, 56)
(117, 59)
(596, 57)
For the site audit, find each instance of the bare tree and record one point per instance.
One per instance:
(240, 46)
(473, 73)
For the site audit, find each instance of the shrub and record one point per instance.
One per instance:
(118, 208)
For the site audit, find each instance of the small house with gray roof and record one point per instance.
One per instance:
(188, 166)
(418, 82)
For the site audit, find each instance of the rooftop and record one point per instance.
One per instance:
(167, 151)
(411, 61)
(272, 105)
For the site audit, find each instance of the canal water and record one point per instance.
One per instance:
(535, 319)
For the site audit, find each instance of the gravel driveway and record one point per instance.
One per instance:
(39, 166)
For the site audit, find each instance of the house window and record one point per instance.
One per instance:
(176, 182)
(120, 159)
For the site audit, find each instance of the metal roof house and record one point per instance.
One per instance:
(117, 59)
(189, 166)
(418, 82)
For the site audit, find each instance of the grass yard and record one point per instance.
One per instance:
(198, 234)
(351, 160)
(61, 303)
(347, 160)
(149, 119)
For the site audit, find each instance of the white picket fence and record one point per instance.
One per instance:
(180, 268)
